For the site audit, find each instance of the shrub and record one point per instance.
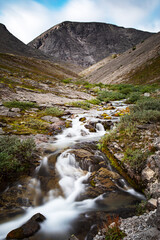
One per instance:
(94, 101)
(135, 158)
(53, 111)
(21, 105)
(15, 156)
(110, 96)
(36, 124)
(133, 97)
(81, 104)
(67, 80)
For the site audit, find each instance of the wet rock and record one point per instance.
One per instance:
(57, 126)
(15, 110)
(107, 124)
(90, 127)
(82, 119)
(28, 229)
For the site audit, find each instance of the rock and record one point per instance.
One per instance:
(82, 119)
(57, 127)
(50, 119)
(15, 110)
(107, 124)
(90, 127)
(147, 174)
(73, 237)
(1, 131)
(158, 214)
(28, 229)
(152, 204)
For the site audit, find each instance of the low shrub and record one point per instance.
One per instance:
(110, 96)
(94, 101)
(67, 80)
(53, 111)
(81, 104)
(16, 156)
(21, 105)
(133, 97)
(135, 158)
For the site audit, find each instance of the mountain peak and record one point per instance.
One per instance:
(85, 43)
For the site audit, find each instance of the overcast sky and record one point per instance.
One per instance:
(27, 19)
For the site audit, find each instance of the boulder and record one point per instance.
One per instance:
(28, 229)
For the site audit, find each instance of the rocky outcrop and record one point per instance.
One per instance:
(28, 229)
(86, 43)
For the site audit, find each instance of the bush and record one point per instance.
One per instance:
(110, 96)
(135, 158)
(21, 105)
(67, 80)
(94, 101)
(133, 97)
(15, 156)
(81, 104)
(53, 111)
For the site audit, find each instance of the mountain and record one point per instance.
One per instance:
(86, 43)
(10, 44)
(140, 65)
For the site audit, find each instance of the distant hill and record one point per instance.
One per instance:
(86, 43)
(10, 44)
(140, 65)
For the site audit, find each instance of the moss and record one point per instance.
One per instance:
(114, 162)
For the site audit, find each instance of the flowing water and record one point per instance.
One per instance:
(63, 209)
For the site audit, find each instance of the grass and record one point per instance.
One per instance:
(20, 105)
(53, 111)
(16, 157)
(80, 104)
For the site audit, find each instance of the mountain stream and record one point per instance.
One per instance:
(66, 202)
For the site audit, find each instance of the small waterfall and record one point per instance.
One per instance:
(100, 127)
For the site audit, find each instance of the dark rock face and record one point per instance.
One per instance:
(28, 229)
(10, 44)
(86, 43)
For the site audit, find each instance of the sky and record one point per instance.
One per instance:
(27, 19)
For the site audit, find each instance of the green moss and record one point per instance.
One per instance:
(114, 162)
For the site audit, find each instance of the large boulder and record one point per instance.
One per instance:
(28, 229)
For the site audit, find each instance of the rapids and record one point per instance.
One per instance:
(62, 211)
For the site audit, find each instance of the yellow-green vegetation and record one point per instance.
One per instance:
(135, 148)
(80, 104)
(53, 111)
(94, 101)
(20, 105)
(16, 157)
(149, 72)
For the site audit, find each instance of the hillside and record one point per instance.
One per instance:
(86, 43)
(10, 44)
(140, 64)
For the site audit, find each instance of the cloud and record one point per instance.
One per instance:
(26, 19)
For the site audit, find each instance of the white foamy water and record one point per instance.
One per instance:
(61, 211)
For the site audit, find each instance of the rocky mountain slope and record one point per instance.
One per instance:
(140, 64)
(10, 44)
(86, 43)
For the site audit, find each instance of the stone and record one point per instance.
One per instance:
(158, 214)
(73, 237)
(1, 131)
(152, 202)
(147, 174)
(50, 119)
(28, 229)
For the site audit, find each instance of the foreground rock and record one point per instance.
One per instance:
(28, 229)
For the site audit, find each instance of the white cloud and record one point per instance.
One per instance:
(26, 19)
